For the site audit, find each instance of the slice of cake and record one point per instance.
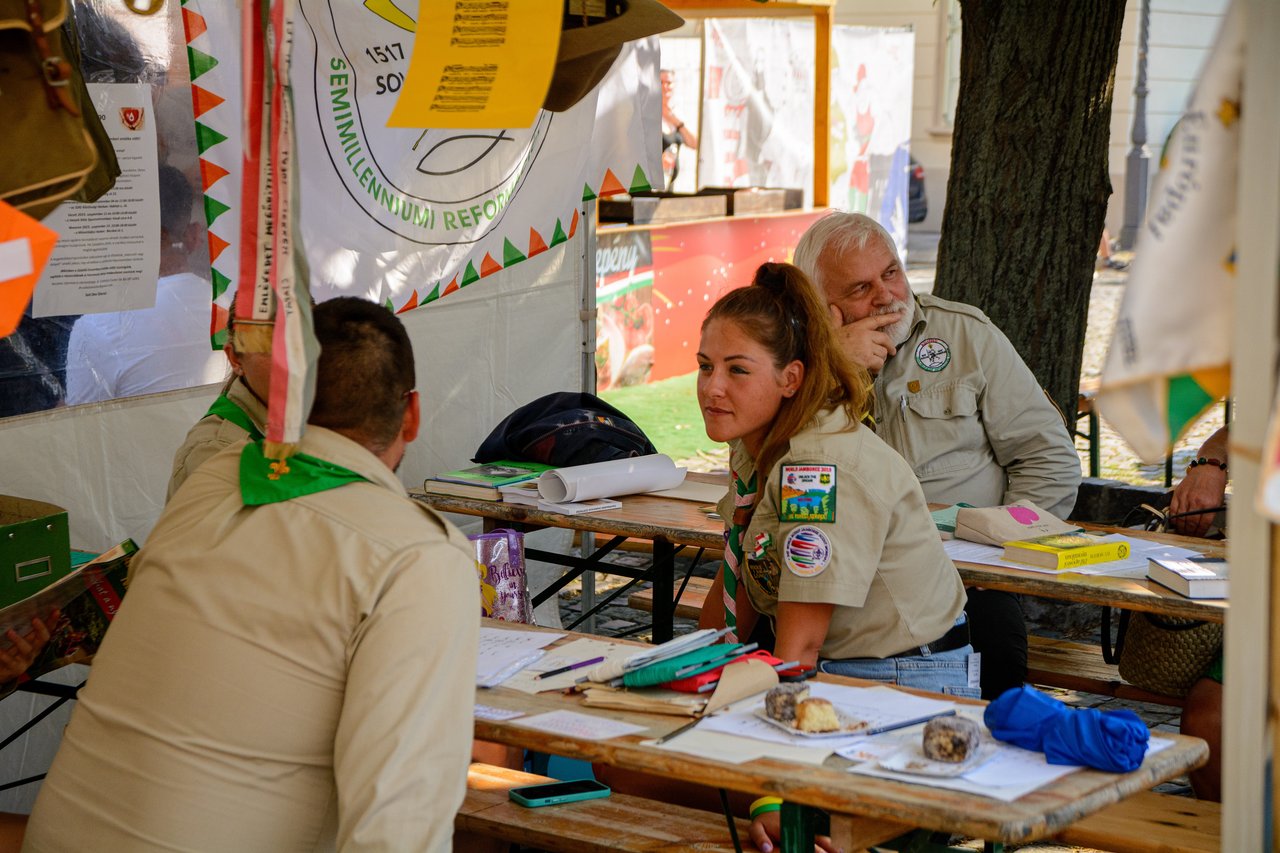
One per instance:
(780, 702)
(816, 715)
(951, 739)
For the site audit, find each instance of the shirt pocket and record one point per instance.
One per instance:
(943, 429)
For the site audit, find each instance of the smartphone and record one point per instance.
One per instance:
(551, 793)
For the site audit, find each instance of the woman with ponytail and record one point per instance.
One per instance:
(829, 536)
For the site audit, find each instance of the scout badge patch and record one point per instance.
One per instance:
(763, 541)
(807, 551)
(808, 493)
(933, 354)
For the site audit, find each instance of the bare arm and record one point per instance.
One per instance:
(1203, 488)
(802, 629)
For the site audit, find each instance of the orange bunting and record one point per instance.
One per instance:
(216, 245)
(536, 244)
(611, 185)
(202, 100)
(489, 266)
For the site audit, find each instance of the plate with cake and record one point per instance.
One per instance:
(790, 707)
(948, 746)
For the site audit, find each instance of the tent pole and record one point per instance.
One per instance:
(587, 311)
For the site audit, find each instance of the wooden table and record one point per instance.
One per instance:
(670, 524)
(893, 807)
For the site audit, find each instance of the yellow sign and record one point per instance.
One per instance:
(478, 63)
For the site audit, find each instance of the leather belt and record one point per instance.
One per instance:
(956, 638)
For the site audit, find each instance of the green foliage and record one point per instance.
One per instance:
(668, 413)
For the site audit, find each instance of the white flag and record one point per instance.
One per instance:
(1170, 353)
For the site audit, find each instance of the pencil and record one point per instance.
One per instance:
(568, 668)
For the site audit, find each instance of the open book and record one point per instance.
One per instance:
(87, 600)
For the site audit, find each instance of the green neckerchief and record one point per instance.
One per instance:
(744, 495)
(229, 410)
(268, 481)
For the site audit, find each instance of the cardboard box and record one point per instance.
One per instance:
(35, 547)
(746, 201)
(643, 209)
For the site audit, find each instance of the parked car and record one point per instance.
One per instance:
(917, 201)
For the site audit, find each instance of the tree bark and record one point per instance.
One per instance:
(1029, 179)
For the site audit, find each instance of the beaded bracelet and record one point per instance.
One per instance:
(1206, 461)
(764, 805)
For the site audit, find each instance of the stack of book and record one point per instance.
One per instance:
(483, 482)
(1196, 577)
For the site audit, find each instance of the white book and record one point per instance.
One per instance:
(579, 507)
(1194, 577)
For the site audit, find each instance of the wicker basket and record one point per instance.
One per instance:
(1167, 655)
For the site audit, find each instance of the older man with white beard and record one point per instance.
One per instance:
(953, 397)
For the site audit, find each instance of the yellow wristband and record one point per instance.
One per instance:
(764, 805)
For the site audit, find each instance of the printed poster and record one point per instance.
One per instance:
(108, 253)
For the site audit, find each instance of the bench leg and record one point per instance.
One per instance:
(664, 591)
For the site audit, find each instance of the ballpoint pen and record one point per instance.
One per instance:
(568, 668)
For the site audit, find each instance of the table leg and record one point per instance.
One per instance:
(664, 590)
(588, 583)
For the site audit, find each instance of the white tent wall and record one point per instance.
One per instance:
(479, 353)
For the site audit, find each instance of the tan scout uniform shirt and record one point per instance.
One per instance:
(292, 677)
(212, 433)
(892, 584)
(961, 406)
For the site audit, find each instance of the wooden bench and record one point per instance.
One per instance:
(1150, 823)
(617, 822)
(1054, 663)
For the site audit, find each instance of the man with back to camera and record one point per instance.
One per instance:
(952, 396)
(294, 665)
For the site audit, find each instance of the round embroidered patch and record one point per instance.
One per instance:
(807, 551)
(933, 354)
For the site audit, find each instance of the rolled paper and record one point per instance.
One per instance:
(609, 479)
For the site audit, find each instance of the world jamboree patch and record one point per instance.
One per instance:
(807, 551)
(808, 493)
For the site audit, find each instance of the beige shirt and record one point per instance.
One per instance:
(212, 433)
(965, 411)
(293, 677)
(892, 585)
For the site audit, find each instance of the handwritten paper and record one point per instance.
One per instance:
(504, 652)
(580, 726)
(578, 650)
(497, 715)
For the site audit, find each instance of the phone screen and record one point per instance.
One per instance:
(560, 789)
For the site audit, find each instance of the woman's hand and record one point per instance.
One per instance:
(766, 830)
(17, 657)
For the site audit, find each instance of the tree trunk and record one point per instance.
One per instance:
(1029, 180)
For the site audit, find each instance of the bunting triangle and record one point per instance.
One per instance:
(469, 274)
(432, 296)
(220, 283)
(510, 254)
(390, 306)
(213, 209)
(587, 193)
(210, 173)
(411, 304)
(611, 185)
(216, 245)
(453, 285)
(573, 225)
(202, 100)
(207, 137)
(640, 183)
(218, 339)
(489, 266)
(194, 25)
(557, 236)
(536, 244)
(200, 62)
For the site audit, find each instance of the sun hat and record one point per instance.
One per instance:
(587, 50)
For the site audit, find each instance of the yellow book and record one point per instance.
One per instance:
(1065, 551)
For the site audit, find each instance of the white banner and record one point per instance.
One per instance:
(405, 216)
(757, 104)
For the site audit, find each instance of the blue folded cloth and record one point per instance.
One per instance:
(1115, 741)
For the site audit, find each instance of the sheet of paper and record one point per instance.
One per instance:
(503, 651)
(108, 257)
(610, 479)
(581, 726)
(962, 551)
(488, 712)
(578, 650)
(732, 749)
(474, 63)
